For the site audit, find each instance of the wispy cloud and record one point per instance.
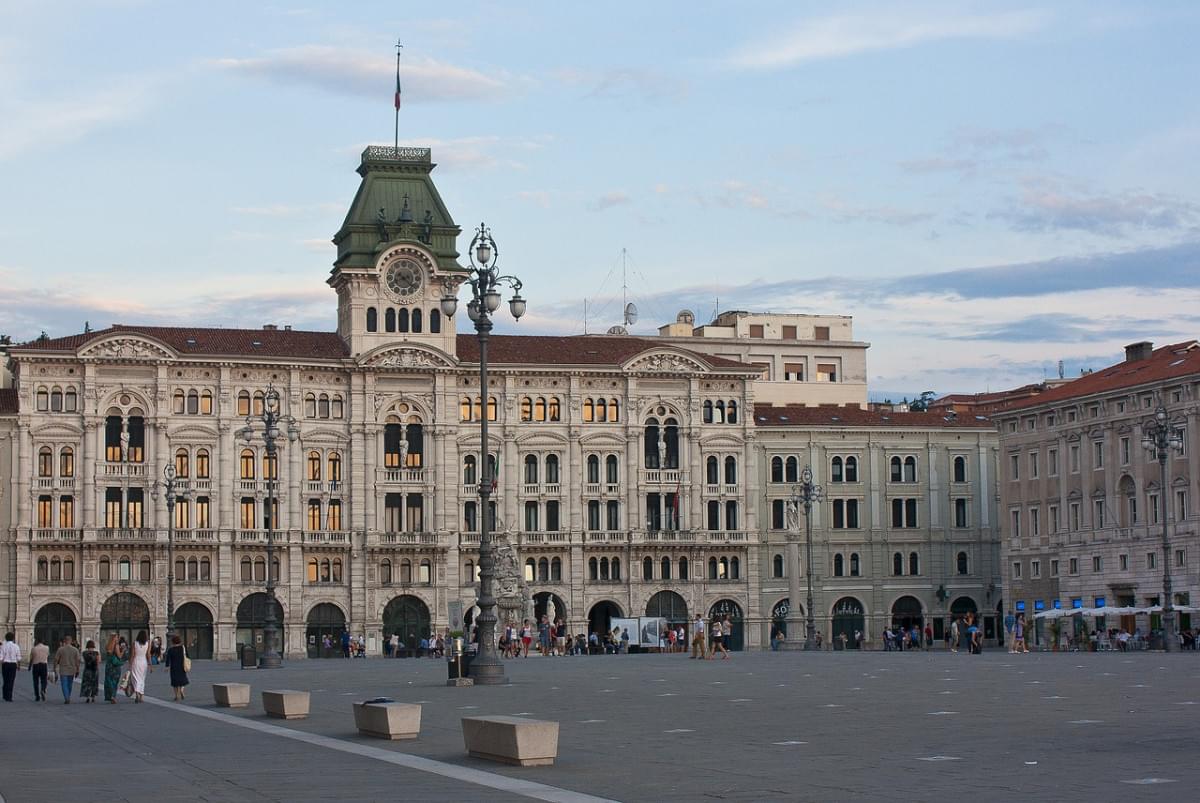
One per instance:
(353, 72)
(973, 149)
(610, 199)
(847, 35)
(1046, 205)
(286, 210)
(651, 85)
(31, 124)
(844, 212)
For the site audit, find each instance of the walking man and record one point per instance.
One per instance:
(1010, 623)
(698, 634)
(39, 658)
(66, 663)
(10, 658)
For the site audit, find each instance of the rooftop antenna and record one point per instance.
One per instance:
(1060, 369)
(629, 310)
(585, 316)
(396, 137)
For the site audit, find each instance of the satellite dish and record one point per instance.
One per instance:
(631, 314)
(617, 330)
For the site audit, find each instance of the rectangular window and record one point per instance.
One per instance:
(45, 512)
(826, 372)
(1124, 451)
(1074, 458)
(778, 517)
(1151, 560)
(756, 330)
(1097, 455)
(1097, 563)
(1155, 512)
(1073, 566)
(1123, 562)
(820, 333)
(1075, 521)
(1015, 527)
(249, 513)
(960, 512)
(66, 512)
(1014, 467)
(1052, 462)
(1181, 511)
(613, 515)
(764, 369)
(793, 371)
(333, 518)
(1035, 524)
(1054, 567)
(1055, 524)
(1033, 465)
(183, 518)
(1180, 558)
(1035, 569)
(202, 513)
(1016, 570)
(1098, 514)
(789, 333)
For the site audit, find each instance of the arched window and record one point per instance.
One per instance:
(593, 469)
(723, 569)
(372, 319)
(910, 469)
(43, 400)
(105, 570)
(960, 469)
(417, 323)
(897, 564)
(338, 407)
(435, 322)
(730, 470)
(202, 467)
(405, 571)
(543, 567)
(731, 412)
(531, 469)
(712, 569)
(777, 469)
(182, 463)
(45, 462)
(193, 402)
(961, 562)
(56, 400)
(464, 408)
(335, 467)
(539, 409)
(389, 320)
(43, 570)
(589, 410)
(177, 402)
(835, 470)
(323, 406)
(897, 469)
(914, 563)
(735, 568)
(601, 410)
(247, 464)
(193, 570)
(839, 566)
(719, 413)
(257, 406)
(243, 403)
(707, 412)
(711, 471)
(326, 572)
(314, 466)
(616, 568)
(385, 572)
(247, 571)
(683, 568)
(604, 568)
(492, 408)
(55, 570)
(792, 470)
(855, 566)
(593, 569)
(310, 405)
(612, 470)
(402, 320)
(144, 570)
(205, 570)
(470, 475)
(614, 410)
(556, 570)
(552, 469)
(314, 570)
(206, 403)
(66, 462)
(554, 409)
(647, 568)
(470, 573)
(337, 570)
(665, 569)
(851, 469)
(777, 566)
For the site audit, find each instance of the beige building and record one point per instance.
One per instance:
(635, 476)
(1082, 502)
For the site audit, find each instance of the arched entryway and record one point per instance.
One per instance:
(53, 621)
(323, 633)
(779, 614)
(551, 605)
(600, 618)
(194, 626)
(906, 613)
(670, 606)
(736, 639)
(848, 619)
(124, 614)
(408, 617)
(962, 606)
(251, 617)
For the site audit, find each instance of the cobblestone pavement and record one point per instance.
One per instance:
(761, 726)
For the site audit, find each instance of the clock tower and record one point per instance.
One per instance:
(396, 255)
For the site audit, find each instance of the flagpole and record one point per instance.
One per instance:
(396, 136)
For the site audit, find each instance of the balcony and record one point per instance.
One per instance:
(665, 476)
(602, 489)
(195, 536)
(721, 489)
(202, 485)
(121, 469)
(405, 539)
(56, 535)
(403, 476)
(322, 487)
(335, 538)
(542, 538)
(726, 536)
(51, 483)
(607, 537)
(664, 536)
(541, 489)
(125, 534)
(253, 536)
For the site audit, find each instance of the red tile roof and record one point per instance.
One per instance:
(9, 404)
(1166, 362)
(202, 341)
(296, 344)
(796, 416)
(574, 350)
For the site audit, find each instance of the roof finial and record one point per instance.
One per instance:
(396, 137)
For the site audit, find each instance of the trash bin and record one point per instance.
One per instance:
(249, 657)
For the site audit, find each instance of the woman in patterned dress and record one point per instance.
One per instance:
(114, 661)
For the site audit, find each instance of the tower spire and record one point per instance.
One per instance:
(396, 136)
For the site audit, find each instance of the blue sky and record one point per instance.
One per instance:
(986, 187)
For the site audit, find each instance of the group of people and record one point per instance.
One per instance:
(965, 630)
(125, 667)
(553, 639)
(426, 647)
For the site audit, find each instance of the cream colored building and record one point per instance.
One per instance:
(634, 474)
(1082, 500)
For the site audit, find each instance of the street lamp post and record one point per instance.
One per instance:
(804, 495)
(485, 281)
(170, 485)
(271, 418)
(1161, 437)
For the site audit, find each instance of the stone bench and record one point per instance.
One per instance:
(388, 720)
(231, 695)
(285, 704)
(511, 740)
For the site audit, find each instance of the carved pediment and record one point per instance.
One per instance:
(126, 347)
(599, 439)
(408, 358)
(721, 442)
(542, 439)
(192, 432)
(665, 363)
(59, 430)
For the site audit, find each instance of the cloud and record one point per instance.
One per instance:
(352, 72)
(31, 124)
(1059, 327)
(651, 85)
(610, 199)
(286, 210)
(893, 216)
(972, 149)
(847, 35)
(537, 197)
(1046, 205)
(318, 245)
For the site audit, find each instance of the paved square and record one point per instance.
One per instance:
(761, 726)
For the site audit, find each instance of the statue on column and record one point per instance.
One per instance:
(662, 448)
(124, 440)
(404, 446)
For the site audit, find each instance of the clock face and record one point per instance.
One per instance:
(403, 279)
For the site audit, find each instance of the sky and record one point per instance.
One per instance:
(987, 188)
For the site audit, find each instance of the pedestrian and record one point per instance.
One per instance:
(776, 633)
(718, 640)
(1018, 635)
(91, 672)
(526, 638)
(10, 659)
(139, 665)
(560, 637)
(953, 635)
(156, 651)
(66, 664)
(928, 635)
(345, 643)
(624, 640)
(177, 664)
(1010, 624)
(114, 661)
(698, 633)
(544, 635)
(39, 658)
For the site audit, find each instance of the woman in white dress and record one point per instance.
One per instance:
(139, 665)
